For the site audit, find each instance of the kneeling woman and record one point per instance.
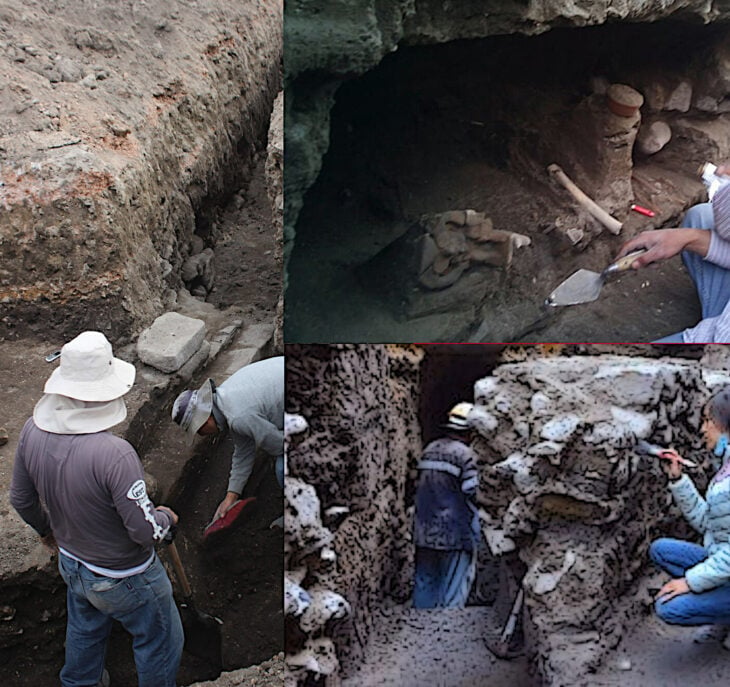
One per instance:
(699, 594)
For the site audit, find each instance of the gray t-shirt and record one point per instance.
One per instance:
(89, 490)
(251, 402)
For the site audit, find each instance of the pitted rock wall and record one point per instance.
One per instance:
(566, 490)
(361, 403)
(120, 129)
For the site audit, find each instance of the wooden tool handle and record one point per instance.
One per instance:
(611, 223)
(623, 264)
(177, 564)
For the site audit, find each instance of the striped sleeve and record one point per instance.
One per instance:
(469, 474)
(721, 212)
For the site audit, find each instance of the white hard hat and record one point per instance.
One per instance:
(459, 417)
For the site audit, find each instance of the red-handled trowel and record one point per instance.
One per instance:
(227, 521)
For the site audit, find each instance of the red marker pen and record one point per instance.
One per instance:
(642, 211)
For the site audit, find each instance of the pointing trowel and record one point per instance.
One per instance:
(584, 285)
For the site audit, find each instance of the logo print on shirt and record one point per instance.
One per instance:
(138, 492)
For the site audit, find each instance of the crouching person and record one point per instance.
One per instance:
(82, 490)
(699, 593)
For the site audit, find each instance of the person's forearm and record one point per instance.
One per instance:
(698, 241)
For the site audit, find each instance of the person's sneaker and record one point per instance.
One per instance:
(706, 634)
(105, 679)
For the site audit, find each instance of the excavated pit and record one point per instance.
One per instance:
(140, 172)
(568, 511)
(237, 578)
(474, 125)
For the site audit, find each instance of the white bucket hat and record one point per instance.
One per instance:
(89, 372)
(64, 415)
(192, 409)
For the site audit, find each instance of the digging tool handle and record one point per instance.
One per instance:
(623, 264)
(509, 626)
(179, 571)
(611, 223)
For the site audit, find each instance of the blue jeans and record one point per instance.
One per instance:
(712, 281)
(705, 608)
(279, 465)
(142, 603)
(442, 578)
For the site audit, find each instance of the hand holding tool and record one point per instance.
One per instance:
(664, 453)
(584, 285)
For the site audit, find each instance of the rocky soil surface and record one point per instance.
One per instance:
(124, 128)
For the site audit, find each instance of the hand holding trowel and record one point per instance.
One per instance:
(585, 286)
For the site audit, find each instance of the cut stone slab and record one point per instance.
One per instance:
(171, 341)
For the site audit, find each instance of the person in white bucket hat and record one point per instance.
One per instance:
(249, 404)
(82, 490)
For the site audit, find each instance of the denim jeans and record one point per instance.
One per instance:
(712, 281)
(442, 578)
(705, 608)
(279, 466)
(144, 606)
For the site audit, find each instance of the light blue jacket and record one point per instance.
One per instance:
(250, 403)
(710, 516)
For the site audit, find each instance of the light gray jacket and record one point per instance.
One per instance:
(250, 403)
(710, 516)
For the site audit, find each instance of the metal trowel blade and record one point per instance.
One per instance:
(582, 287)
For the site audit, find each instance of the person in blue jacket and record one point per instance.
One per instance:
(446, 527)
(699, 591)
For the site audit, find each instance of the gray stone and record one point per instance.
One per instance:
(196, 361)
(170, 341)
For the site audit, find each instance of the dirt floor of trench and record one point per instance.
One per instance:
(444, 648)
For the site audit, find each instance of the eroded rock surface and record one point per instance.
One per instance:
(569, 492)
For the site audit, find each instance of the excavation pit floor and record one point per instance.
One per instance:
(442, 647)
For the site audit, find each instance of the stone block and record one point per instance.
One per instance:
(171, 341)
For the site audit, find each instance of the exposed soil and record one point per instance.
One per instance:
(245, 253)
(444, 647)
(474, 124)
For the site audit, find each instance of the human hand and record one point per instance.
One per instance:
(723, 169)
(49, 541)
(660, 244)
(225, 505)
(170, 512)
(672, 463)
(672, 588)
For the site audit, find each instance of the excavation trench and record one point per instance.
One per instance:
(238, 579)
(568, 509)
(475, 125)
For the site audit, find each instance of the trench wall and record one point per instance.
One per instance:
(361, 404)
(123, 132)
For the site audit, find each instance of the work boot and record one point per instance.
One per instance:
(706, 634)
(105, 679)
